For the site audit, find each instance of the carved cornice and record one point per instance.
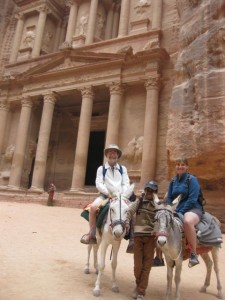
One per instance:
(153, 83)
(87, 92)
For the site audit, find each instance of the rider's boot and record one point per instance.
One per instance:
(90, 238)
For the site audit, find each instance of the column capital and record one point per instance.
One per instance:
(26, 101)
(50, 98)
(70, 3)
(116, 88)
(87, 91)
(4, 105)
(19, 15)
(44, 8)
(153, 83)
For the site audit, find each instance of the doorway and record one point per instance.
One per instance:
(95, 155)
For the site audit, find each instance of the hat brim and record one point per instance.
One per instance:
(153, 188)
(118, 151)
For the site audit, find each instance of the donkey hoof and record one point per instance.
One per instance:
(86, 271)
(96, 293)
(220, 295)
(115, 289)
(202, 289)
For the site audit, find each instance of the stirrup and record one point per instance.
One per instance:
(193, 261)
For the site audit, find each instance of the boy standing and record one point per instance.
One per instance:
(144, 241)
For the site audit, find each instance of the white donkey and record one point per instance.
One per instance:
(112, 233)
(169, 240)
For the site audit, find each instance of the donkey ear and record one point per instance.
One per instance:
(176, 201)
(156, 199)
(129, 191)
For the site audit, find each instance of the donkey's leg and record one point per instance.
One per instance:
(170, 265)
(101, 267)
(95, 256)
(178, 269)
(116, 247)
(86, 267)
(215, 256)
(208, 263)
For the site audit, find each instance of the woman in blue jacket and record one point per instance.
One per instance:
(189, 209)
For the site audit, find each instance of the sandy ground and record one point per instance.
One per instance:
(42, 259)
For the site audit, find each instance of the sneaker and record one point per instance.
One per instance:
(140, 297)
(88, 239)
(134, 293)
(193, 261)
(157, 262)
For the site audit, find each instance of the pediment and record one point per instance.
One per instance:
(67, 61)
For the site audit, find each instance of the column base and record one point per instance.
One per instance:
(76, 190)
(13, 187)
(139, 26)
(24, 54)
(78, 41)
(35, 189)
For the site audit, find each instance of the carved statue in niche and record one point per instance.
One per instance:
(28, 41)
(99, 25)
(133, 152)
(142, 7)
(46, 43)
(9, 153)
(83, 25)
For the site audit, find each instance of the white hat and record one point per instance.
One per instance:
(113, 147)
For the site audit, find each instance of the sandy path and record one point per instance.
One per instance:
(42, 259)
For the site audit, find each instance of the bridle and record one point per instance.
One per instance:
(118, 221)
(170, 221)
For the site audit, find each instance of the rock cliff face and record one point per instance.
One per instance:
(196, 126)
(196, 112)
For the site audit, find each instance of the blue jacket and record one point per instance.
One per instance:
(190, 192)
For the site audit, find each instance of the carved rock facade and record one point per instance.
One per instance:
(78, 75)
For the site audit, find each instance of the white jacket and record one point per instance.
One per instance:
(114, 181)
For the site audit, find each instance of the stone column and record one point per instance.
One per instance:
(21, 141)
(116, 20)
(40, 31)
(72, 20)
(124, 18)
(109, 23)
(43, 141)
(4, 109)
(157, 14)
(92, 22)
(17, 37)
(57, 37)
(148, 163)
(116, 93)
(81, 153)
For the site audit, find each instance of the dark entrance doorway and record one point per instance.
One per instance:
(95, 155)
